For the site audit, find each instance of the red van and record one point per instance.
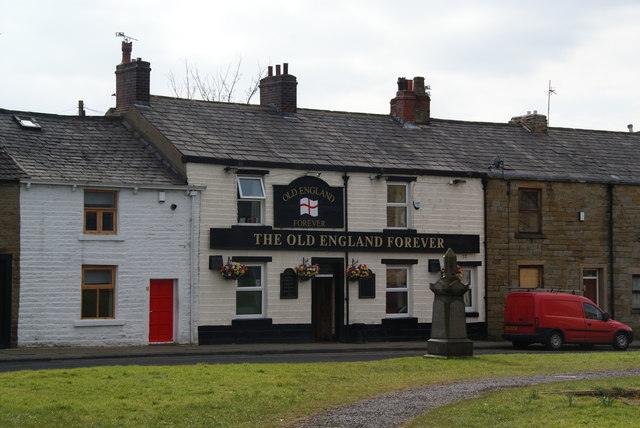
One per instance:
(555, 318)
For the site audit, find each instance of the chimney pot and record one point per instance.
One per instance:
(126, 52)
(270, 70)
(285, 68)
(630, 127)
(278, 70)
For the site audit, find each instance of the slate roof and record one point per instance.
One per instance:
(257, 135)
(77, 149)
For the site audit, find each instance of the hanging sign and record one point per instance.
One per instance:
(308, 203)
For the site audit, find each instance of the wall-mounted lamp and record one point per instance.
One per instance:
(230, 168)
(162, 196)
(581, 216)
(377, 176)
(457, 181)
(313, 174)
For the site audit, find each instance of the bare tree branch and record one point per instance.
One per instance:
(222, 86)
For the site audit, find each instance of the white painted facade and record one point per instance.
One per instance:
(445, 208)
(154, 240)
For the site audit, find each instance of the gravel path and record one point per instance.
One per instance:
(394, 409)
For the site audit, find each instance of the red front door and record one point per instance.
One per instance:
(161, 310)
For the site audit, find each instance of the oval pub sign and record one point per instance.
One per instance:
(308, 202)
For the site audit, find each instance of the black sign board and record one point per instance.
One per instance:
(309, 203)
(288, 284)
(409, 242)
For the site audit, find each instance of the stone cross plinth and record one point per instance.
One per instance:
(448, 321)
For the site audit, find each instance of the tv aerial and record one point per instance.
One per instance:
(125, 37)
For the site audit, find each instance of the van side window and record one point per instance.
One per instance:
(591, 312)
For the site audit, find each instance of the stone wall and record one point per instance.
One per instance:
(567, 246)
(10, 243)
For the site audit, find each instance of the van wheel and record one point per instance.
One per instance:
(621, 342)
(554, 341)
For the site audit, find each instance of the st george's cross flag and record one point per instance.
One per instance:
(309, 206)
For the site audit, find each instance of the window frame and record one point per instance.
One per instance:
(528, 212)
(406, 290)
(260, 288)
(404, 205)
(241, 197)
(100, 214)
(539, 268)
(107, 286)
(473, 288)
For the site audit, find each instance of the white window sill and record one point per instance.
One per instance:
(113, 238)
(97, 323)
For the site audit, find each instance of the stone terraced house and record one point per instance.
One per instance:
(98, 237)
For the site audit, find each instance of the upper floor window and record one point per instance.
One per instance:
(100, 211)
(251, 197)
(397, 291)
(397, 205)
(530, 213)
(250, 292)
(98, 290)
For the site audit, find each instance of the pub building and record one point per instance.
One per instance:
(287, 187)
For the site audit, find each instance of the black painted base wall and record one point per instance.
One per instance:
(264, 331)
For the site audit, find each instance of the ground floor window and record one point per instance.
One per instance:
(397, 290)
(530, 276)
(98, 291)
(635, 292)
(250, 293)
(471, 296)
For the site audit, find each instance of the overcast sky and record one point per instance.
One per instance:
(484, 60)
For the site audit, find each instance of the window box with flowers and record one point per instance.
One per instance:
(306, 270)
(232, 270)
(356, 272)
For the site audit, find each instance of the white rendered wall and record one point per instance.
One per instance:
(152, 242)
(445, 209)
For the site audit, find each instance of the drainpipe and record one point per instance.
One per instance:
(345, 179)
(193, 266)
(611, 252)
(486, 267)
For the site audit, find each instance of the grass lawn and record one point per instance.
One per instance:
(247, 395)
(531, 407)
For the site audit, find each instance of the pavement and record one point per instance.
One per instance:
(161, 350)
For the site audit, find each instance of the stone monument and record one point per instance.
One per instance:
(448, 321)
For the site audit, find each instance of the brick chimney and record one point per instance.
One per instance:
(534, 123)
(132, 80)
(412, 104)
(279, 91)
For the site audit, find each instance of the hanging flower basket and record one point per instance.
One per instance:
(306, 270)
(458, 273)
(357, 271)
(232, 270)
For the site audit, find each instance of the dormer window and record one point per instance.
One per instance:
(251, 198)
